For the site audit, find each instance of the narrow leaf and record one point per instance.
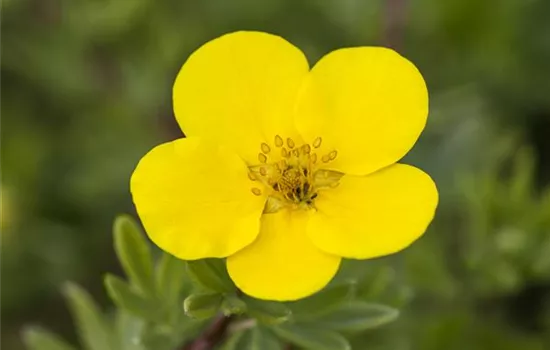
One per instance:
(157, 339)
(171, 275)
(312, 338)
(263, 339)
(268, 312)
(202, 306)
(253, 339)
(322, 302)
(92, 328)
(133, 252)
(41, 339)
(210, 274)
(129, 329)
(233, 305)
(232, 341)
(358, 316)
(127, 299)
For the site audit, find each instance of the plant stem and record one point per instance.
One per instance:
(212, 335)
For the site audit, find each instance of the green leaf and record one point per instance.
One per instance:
(92, 328)
(322, 302)
(253, 339)
(129, 330)
(210, 274)
(202, 306)
(268, 312)
(232, 342)
(358, 316)
(312, 338)
(41, 339)
(233, 305)
(171, 277)
(133, 252)
(375, 285)
(127, 299)
(158, 338)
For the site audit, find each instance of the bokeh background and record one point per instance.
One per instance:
(86, 91)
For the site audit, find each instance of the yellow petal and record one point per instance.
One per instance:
(240, 90)
(195, 199)
(374, 215)
(368, 103)
(282, 264)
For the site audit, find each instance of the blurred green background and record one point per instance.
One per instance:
(86, 91)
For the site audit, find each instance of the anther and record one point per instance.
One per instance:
(306, 148)
(262, 158)
(325, 158)
(256, 191)
(332, 155)
(295, 153)
(317, 142)
(290, 143)
(265, 148)
(263, 171)
(314, 158)
(278, 141)
(251, 176)
(284, 152)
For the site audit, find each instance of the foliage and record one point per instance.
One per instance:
(86, 91)
(151, 316)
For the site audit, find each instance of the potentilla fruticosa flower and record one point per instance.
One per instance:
(285, 170)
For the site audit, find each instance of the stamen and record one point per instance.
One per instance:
(293, 178)
(262, 158)
(317, 142)
(265, 148)
(290, 143)
(278, 141)
(256, 191)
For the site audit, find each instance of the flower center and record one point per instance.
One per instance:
(291, 174)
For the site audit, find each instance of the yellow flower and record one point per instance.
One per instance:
(285, 170)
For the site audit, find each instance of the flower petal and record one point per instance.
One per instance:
(282, 264)
(375, 215)
(367, 103)
(195, 200)
(240, 90)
